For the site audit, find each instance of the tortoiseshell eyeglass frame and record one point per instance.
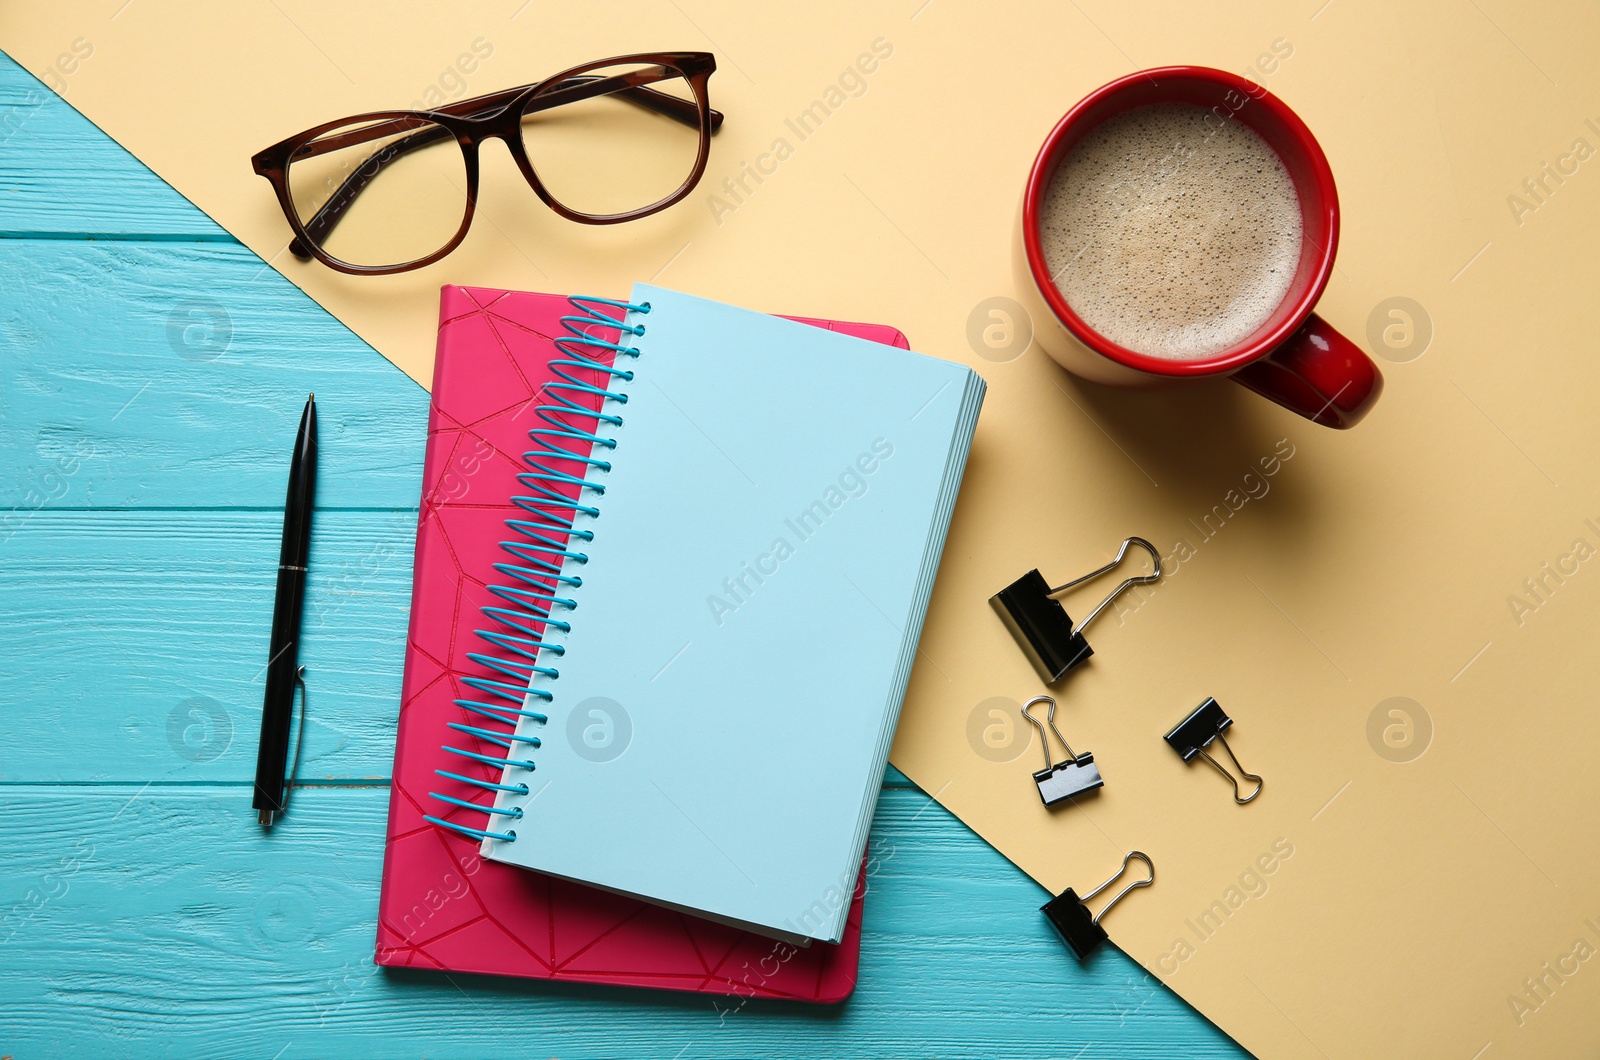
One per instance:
(471, 122)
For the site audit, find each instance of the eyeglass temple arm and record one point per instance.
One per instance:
(628, 86)
(573, 90)
(631, 87)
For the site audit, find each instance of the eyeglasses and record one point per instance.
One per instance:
(601, 143)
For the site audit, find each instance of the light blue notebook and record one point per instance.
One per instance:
(757, 551)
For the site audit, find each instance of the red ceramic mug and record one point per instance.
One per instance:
(1294, 358)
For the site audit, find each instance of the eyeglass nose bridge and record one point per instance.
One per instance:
(475, 132)
(472, 130)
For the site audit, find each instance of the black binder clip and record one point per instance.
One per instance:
(1070, 914)
(1059, 781)
(1195, 733)
(1029, 608)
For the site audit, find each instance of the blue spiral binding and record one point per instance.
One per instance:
(545, 547)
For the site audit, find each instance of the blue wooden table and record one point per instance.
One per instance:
(151, 374)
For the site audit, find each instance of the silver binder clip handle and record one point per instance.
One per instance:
(1131, 856)
(1128, 583)
(1050, 718)
(1218, 766)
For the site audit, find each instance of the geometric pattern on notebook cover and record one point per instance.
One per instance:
(441, 906)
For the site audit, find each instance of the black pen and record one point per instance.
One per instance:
(283, 659)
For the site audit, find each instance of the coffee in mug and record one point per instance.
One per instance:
(1171, 235)
(1180, 224)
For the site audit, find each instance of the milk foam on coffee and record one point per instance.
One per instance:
(1170, 235)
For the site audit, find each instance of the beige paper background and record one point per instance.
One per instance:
(1419, 894)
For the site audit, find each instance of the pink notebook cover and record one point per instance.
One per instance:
(442, 907)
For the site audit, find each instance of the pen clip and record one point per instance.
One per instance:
(299, 740)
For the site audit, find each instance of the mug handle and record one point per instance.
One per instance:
(1318, 373)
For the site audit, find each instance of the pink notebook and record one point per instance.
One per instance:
(442, 907)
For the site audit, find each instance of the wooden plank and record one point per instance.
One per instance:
(138, 640)
(161, 920)
(143, 634)
(62, 175)
(162, 375)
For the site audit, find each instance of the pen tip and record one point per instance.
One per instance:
(312, 396)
